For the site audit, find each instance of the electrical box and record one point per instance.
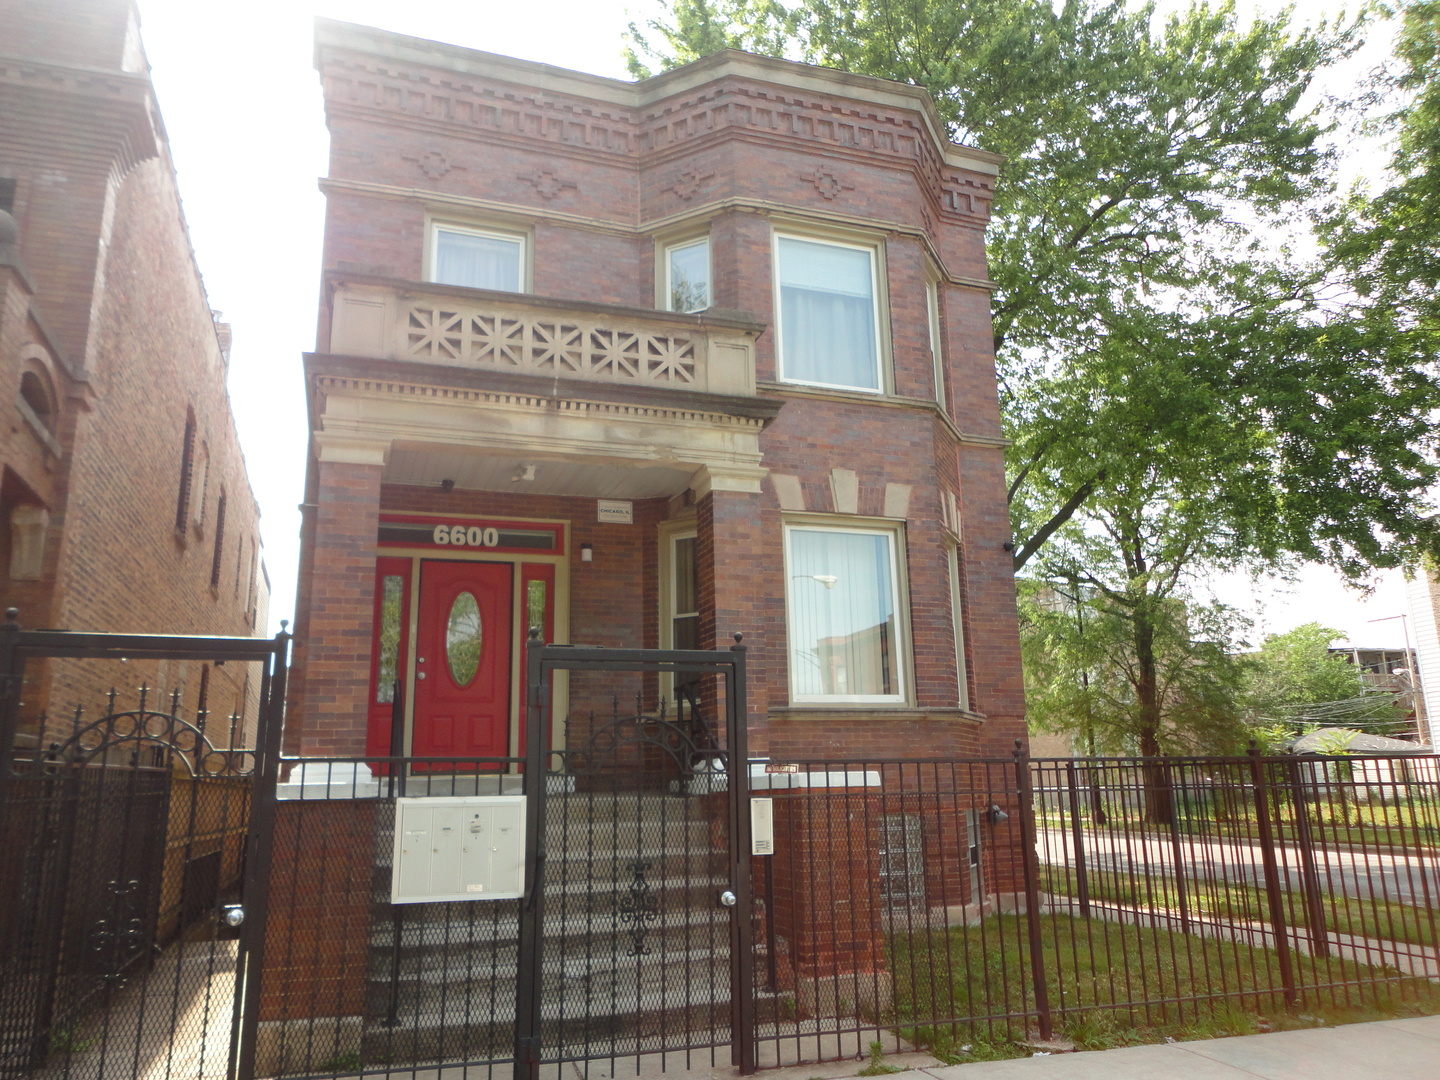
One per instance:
(468, 847)
(762, 826)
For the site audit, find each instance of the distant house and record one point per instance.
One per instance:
(124, 504)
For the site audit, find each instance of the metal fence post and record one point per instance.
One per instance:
(1310, 873)
(1177, 850)
(1077, 839)
(1273, 892)
(742, 965)
(1031, 862)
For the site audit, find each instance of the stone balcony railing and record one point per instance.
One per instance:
(482, 330)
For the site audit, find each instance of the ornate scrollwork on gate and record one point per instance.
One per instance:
(679, 729)
(122, 936)
(640, 909)
(165, 732)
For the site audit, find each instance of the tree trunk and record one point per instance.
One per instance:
(1159, 801)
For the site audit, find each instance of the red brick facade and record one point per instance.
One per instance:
(594, 178)
(108, 350)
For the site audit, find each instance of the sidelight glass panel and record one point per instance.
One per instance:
(391, 596)
(463, 639)
(535, 606)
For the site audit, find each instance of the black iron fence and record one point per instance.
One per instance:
(963, 906)
(667, 904)
(123, 845)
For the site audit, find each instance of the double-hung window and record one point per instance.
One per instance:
(477, 258)
(826, 299)
(687, 276)
(844, 622)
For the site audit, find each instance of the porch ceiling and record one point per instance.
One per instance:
(426, 466)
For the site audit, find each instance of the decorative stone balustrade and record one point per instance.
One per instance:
(481, 330)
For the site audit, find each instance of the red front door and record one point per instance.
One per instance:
(462, 660)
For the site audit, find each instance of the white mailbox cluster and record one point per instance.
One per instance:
(469, 847)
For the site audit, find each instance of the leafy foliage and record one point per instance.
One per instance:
(1148, 294)
(1085, 675)
(1295, 681)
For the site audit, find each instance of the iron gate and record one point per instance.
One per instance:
(652, 803)
(123, 842)
(621, 944)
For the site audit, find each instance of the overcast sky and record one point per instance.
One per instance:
(242, 107)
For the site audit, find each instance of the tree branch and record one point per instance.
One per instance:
(1061, 516)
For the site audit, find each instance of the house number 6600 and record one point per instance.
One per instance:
(466, 536)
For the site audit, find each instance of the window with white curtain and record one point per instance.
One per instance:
(828, 320)
(477, 259)
(843, 604)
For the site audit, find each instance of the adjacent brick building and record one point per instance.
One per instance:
(651, 364)
(124, 504)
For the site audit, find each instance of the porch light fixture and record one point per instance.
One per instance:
(587, 553)
(995, 815)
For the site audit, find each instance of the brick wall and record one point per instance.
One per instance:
(597, 185)
(127, 339)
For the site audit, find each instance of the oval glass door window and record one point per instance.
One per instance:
(462, 639)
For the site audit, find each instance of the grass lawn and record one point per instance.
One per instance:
(1381, 919)
(966, 993)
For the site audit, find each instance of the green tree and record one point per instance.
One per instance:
(1185, 390)
(1083, 676)
(1389, 242)
(1295, 682)
(1154, 168)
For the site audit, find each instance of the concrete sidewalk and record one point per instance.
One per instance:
(1386, 1050)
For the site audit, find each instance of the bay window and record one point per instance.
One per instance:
(826, 303)
(844, 614)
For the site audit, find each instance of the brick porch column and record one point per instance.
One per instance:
(337, 603)
(738, 566)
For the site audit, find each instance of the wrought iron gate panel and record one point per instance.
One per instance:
(122, 841)
(627, 949)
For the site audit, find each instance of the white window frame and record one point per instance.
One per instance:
(937, 352)
(877, 310)
(667, 292)
(900, 656)
(962, 672)
(671, 532)
(432, 248)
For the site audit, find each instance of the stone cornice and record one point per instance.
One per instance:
(119, 106)
(649, 99)
(330, 374)
(446, 201)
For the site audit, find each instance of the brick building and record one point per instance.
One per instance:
(650, 364)
(125, 501)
